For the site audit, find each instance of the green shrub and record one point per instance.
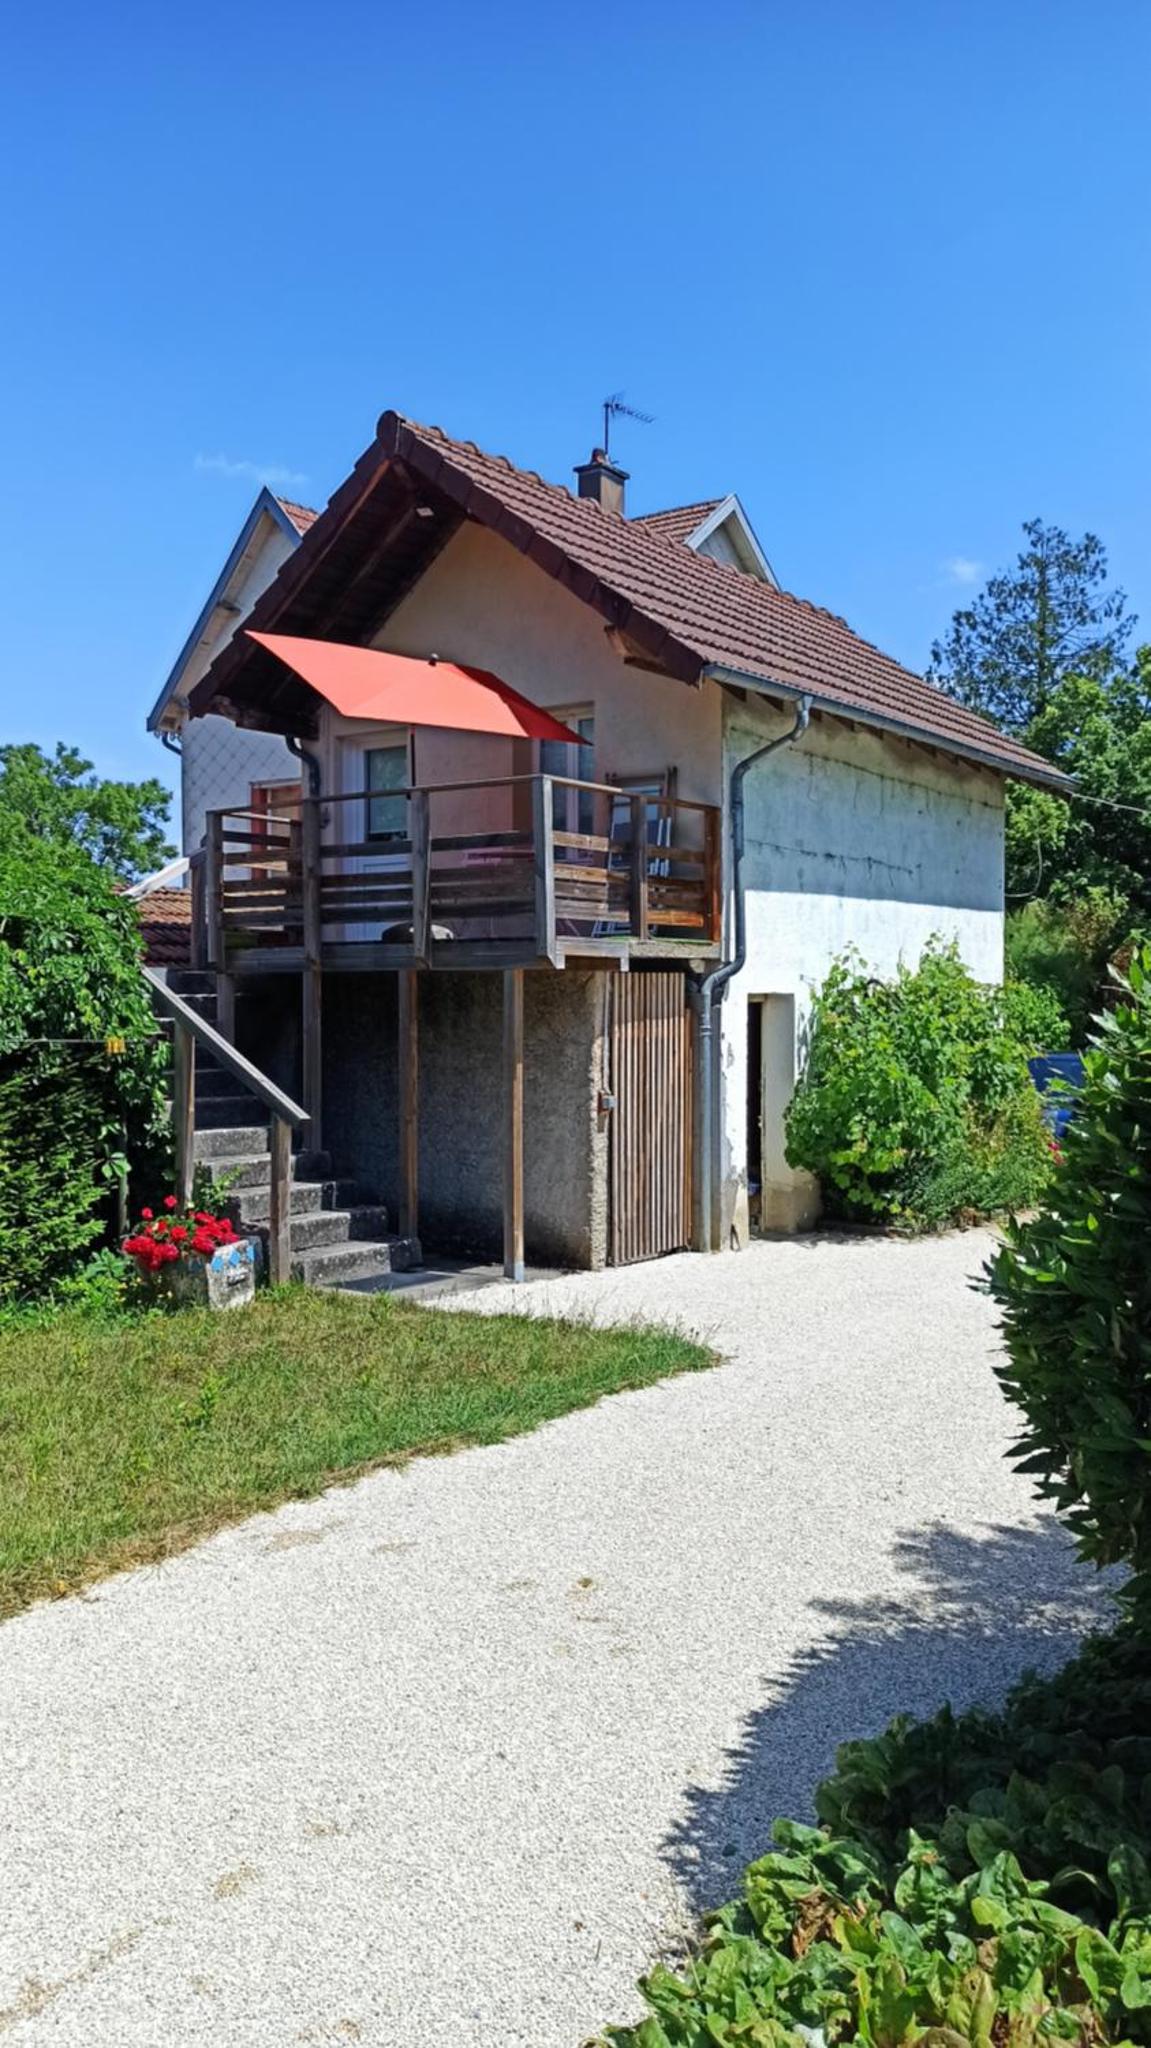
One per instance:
(72, 1114)
(915, 1102)
(824, 1948)
(983, 1878)
(1074, 1286)
(1062, 948)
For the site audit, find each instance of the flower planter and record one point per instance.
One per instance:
(225, 1278)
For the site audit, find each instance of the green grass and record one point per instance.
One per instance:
(125, 1440)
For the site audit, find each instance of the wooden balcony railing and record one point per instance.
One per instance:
(558, 864)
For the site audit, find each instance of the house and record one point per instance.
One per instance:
(552, 993)
(219, 764)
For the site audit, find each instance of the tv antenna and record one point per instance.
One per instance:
(615, 409)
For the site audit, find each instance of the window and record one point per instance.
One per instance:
(572, 810)
(387, 810)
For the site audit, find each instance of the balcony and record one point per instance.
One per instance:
(550, 870)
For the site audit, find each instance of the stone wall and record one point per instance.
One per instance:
(461, 1101)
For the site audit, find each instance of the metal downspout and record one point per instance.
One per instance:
(710, 988)
(311, 763)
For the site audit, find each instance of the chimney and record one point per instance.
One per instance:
(599, 478)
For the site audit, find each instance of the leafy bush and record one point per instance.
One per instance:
(71, 1113)
(824, 1948)
(915, 1103)
(912, 1912)
(1062, 950)
(1075, 1289)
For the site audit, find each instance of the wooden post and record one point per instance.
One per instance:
(409, 1076)
(214, 887)
(198, 951)
(639, 916)
(713, 875)
(514, 1122)
(217, 946)
(280, 1210)
(419, 832)
(544, 852)
(184, 1110)
(311, 990)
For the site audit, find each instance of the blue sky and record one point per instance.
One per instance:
(881, 268)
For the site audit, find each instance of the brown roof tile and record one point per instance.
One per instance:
(684, 604)
(681, 611)
(301, 516)
(678, 522)
(166, 923)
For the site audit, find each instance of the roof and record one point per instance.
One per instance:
(294, 520)
(166, 923)
(301, 516)
(679, 522)
(676, 610)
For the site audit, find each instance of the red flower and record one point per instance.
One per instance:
(170, 1202)
(147, 1215)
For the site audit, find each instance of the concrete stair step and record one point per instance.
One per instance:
(191, 981)
(359, 1259)
(250, 1203)
(212, 1081)
(238, 1171)
(240, 1111)
(237, 1142)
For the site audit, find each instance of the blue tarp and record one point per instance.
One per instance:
(1057, 1075)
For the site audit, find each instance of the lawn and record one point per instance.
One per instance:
(123, 1441)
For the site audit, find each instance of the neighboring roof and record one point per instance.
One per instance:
(301, 516)
(166, 923)
(294, 520)
(720, 521)
(676, 610)
(679, 522)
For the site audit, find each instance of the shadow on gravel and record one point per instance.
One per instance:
(980, 1611)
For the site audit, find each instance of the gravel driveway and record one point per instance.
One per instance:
(440, 1760)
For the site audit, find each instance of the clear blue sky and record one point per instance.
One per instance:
(881, 268)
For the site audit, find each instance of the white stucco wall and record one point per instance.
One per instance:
(855, 839)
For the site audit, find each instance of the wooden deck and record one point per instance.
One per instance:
(639, 879)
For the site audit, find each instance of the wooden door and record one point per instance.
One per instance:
(650, 1147)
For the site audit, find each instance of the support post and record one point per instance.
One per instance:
(217, 947)
(311, 991)
(280, 1207)
(514, 1123)
(713, 874)
(214, 888)
(544, 853)
(198, 951)
(184, 1110)
(639, 912)
(409, 1061)
(419, 833)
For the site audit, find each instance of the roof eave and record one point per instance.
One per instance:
(265, 502)
(1042, 776)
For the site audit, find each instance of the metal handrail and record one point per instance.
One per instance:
(234, 1062)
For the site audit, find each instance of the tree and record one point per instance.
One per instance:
(74, 1110)
(58, 797)
(1051, 616)
(1097, 729)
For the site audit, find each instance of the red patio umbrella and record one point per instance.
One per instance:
(407, 689)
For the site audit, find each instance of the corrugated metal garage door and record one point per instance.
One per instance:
(651, 1126)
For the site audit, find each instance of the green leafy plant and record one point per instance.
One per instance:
(980, 1878)
(826, 1945)
(1074, 1286)
(72, 1112)
(915, 1104)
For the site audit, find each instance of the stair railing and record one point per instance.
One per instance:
(190, 1030)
